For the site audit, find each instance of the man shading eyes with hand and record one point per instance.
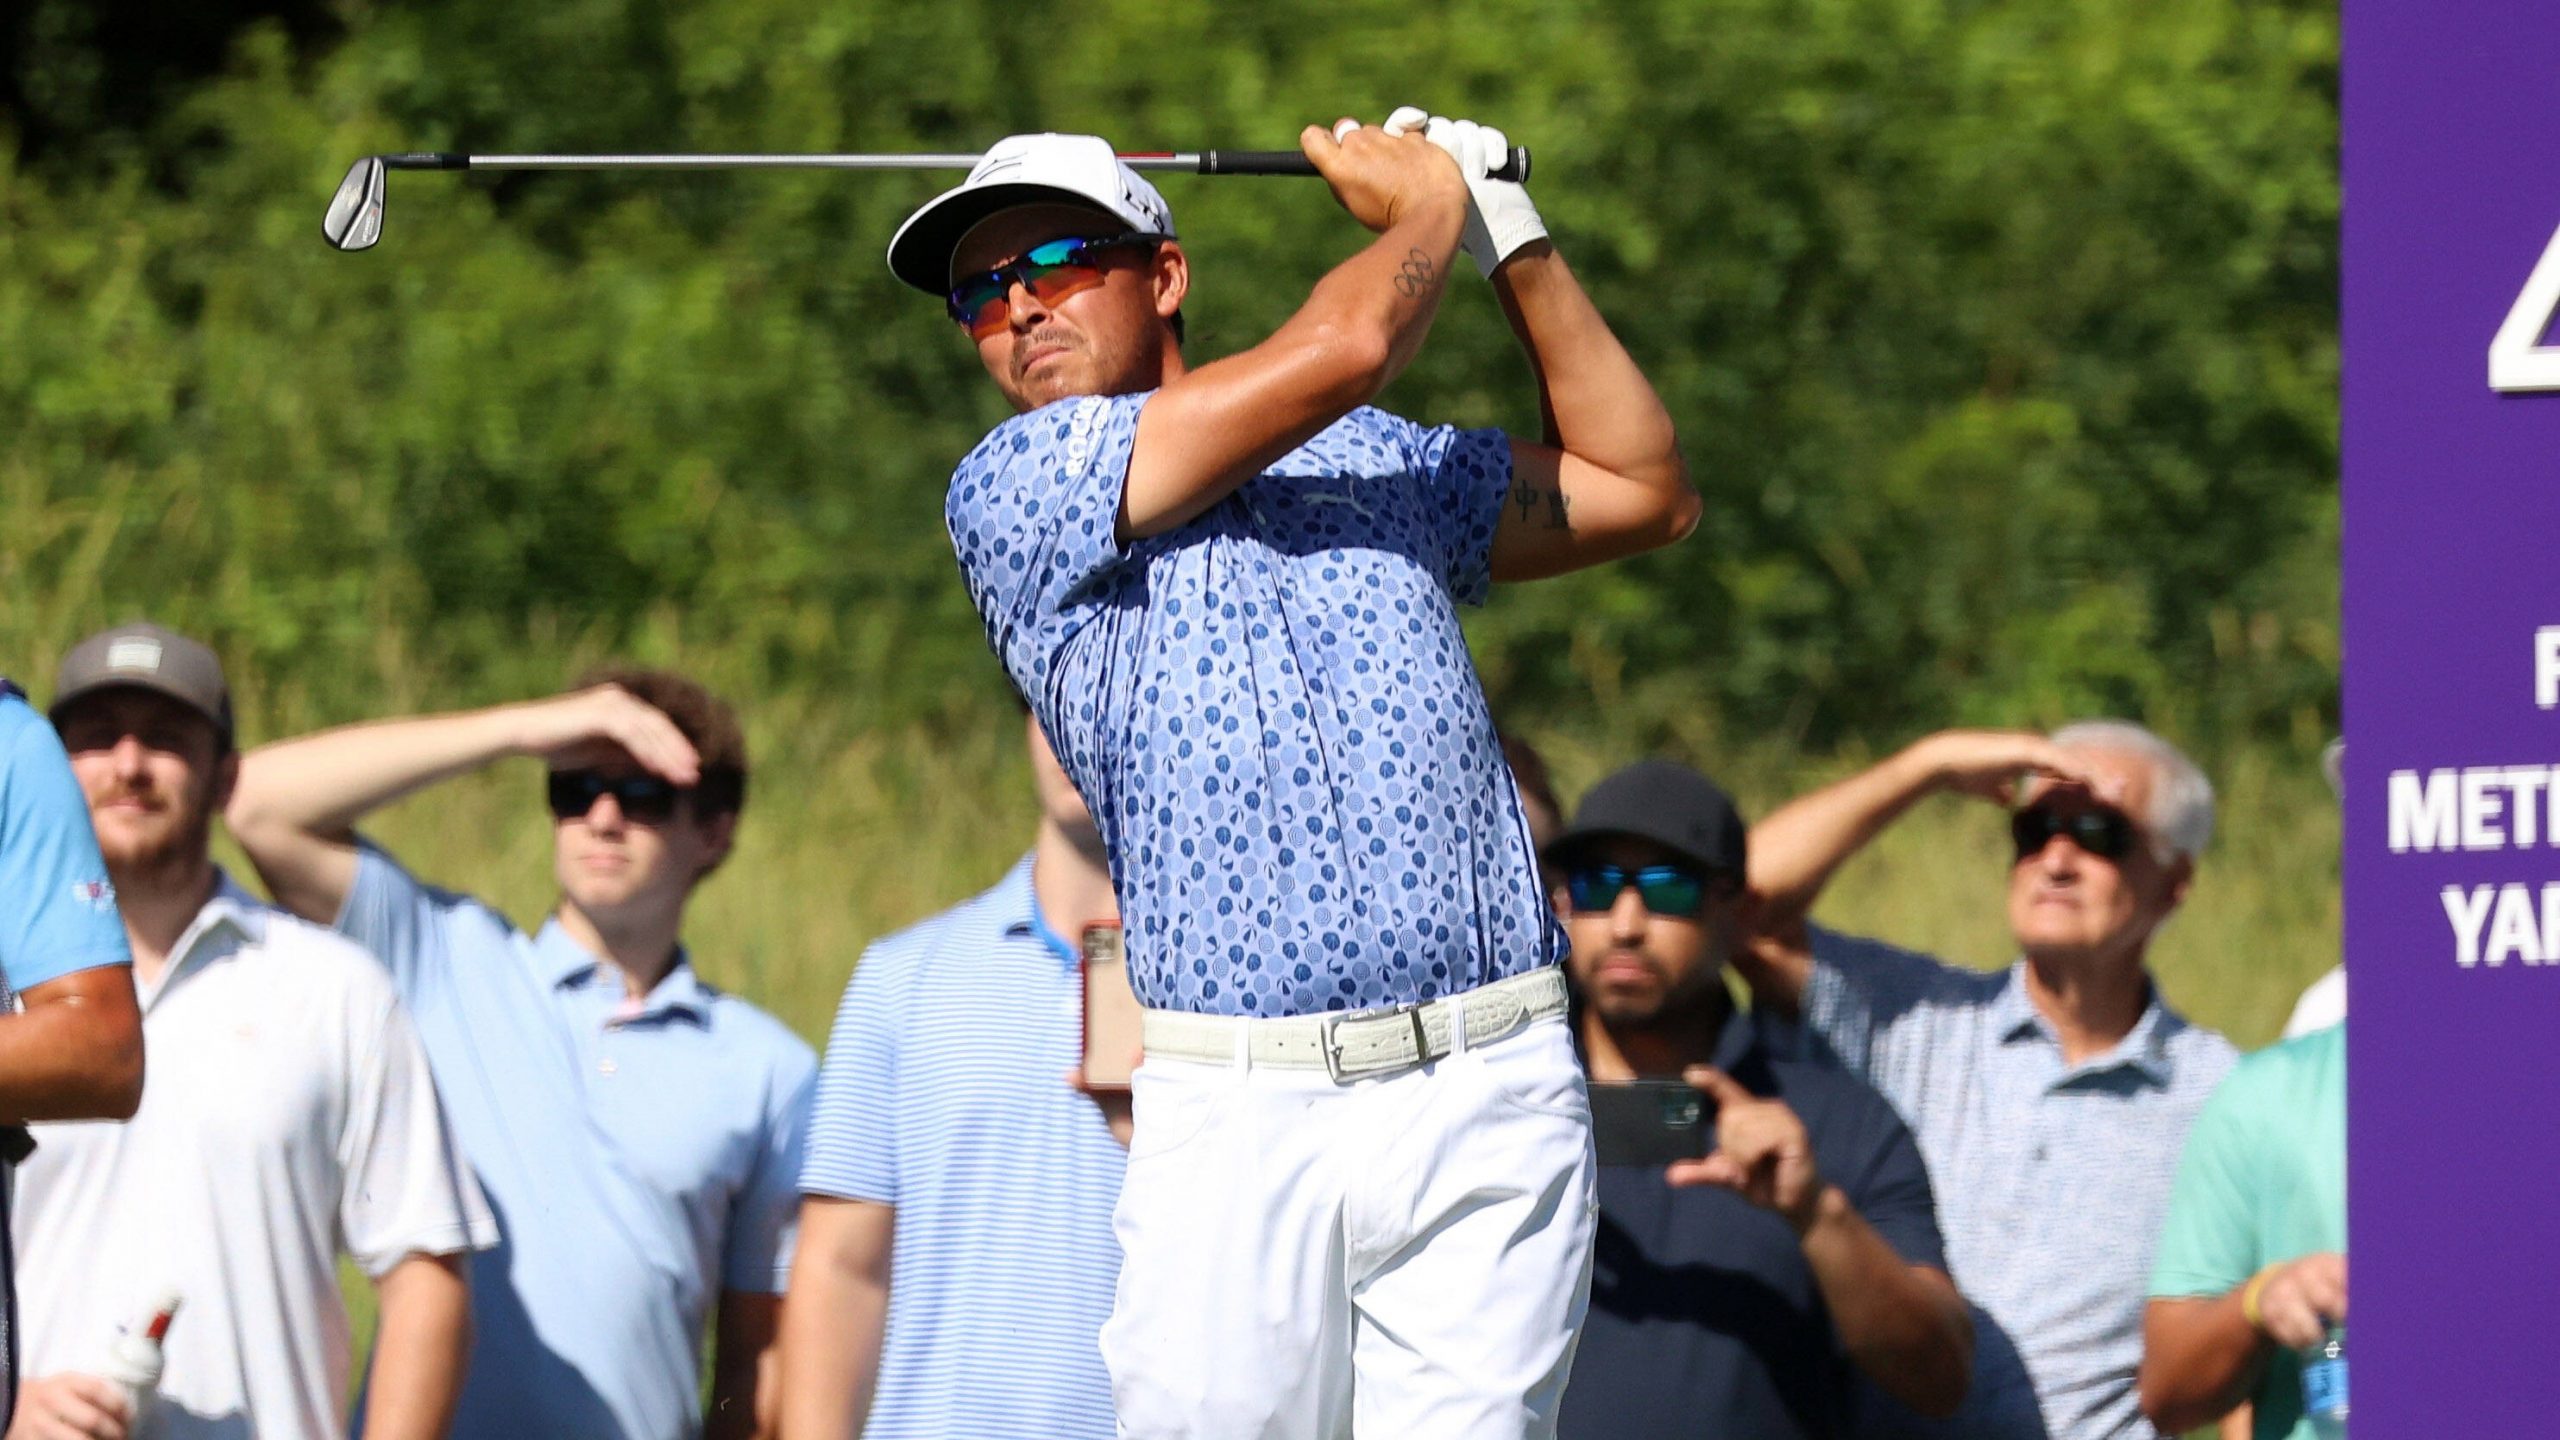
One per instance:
(637, 1131)
(2051, 1098)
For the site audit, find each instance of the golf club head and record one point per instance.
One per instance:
(354, 221)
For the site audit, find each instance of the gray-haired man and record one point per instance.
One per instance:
(2051, 1099)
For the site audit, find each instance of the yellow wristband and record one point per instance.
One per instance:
(2249, 1294)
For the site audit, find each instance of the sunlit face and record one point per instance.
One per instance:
(2065, 903)
(154, 771)
(1635, 969)
(1109, 339)
(606, 862)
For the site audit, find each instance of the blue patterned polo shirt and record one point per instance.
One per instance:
(1269, 709)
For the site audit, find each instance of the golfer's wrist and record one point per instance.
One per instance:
(1533, 265)
(1439, 219)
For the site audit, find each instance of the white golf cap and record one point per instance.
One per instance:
(1023, 170)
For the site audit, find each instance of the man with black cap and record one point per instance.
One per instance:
(287, 1117)
(1742, 1292)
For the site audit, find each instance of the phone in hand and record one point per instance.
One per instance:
(1650, 1122)
(1113, 1019)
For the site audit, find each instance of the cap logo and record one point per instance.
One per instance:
(134, 655)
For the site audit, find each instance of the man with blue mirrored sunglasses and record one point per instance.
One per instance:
(1811, 1211)
(1359, 1194)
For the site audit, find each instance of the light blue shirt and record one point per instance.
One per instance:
(2053, 1179)
(57, 907)
(59, 913)
(640, 1156)
(944, 1096)
(1270, 708)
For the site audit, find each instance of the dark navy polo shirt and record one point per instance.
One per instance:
(1705, 1318)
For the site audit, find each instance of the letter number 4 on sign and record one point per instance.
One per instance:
(2518, 360)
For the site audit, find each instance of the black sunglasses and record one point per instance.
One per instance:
(2100, 830)
(642, 799)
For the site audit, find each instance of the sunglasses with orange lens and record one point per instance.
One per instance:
(982, 304)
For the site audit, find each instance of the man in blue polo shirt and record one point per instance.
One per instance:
(636, 1132)
(1359, 1195)
(957, 1193)
(1744, 1293)
(72, 1047)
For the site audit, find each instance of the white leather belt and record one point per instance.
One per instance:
(1354, 1043)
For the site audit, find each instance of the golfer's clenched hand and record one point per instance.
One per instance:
(1382, 174)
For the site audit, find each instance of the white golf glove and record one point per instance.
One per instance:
(1500, 218)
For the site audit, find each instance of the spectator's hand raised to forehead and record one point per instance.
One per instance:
(1762, 1152)
(1383, 173)
(70, 1406)
(1995, 765)
(556, 728)
(2302, 1299)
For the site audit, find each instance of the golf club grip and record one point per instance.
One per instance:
(1291, 162)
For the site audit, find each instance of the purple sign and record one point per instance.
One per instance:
(2452, 671)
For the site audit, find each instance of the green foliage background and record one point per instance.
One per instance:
(2001, 333)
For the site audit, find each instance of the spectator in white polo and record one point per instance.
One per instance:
(957, 1193)
(287, 1116)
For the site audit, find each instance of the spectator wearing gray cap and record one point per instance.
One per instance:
(1739, 1293)
(2052, 1096)
(288, 1117)
(71, 1047)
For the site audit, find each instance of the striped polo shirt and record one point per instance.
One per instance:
(943, 1095)
(2052, 1178)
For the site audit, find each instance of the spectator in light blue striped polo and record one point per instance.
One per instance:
(2051, 1098)
(957, 1192)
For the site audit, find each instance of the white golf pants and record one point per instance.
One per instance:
(1400, 1258)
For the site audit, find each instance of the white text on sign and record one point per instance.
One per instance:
(2493, 924)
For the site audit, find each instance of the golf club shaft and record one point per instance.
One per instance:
(1199, 162)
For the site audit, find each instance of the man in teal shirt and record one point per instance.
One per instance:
(2252, 1266)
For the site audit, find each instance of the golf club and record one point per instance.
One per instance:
(354, 221)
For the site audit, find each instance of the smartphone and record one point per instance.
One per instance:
(1113, 1019)
(1650, 1122)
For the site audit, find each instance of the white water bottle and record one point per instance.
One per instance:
(135, 1359)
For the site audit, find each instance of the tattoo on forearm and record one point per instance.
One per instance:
(1415, 273)
(1530, 500)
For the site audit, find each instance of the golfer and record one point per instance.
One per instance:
(1359, 1200)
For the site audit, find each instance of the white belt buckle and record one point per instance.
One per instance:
(1331, 1042)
